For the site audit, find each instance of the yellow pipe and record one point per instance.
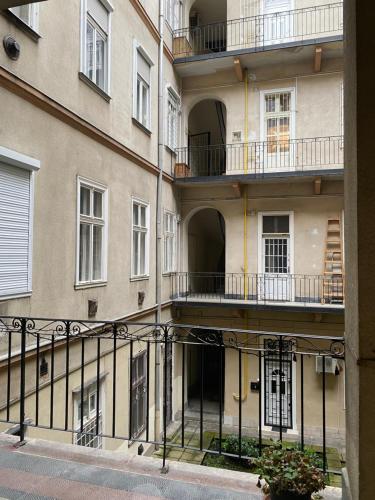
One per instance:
(246, 158)
(245, 364)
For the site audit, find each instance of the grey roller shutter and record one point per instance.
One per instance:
(15, 227)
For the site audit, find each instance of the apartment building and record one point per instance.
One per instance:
(186, 169)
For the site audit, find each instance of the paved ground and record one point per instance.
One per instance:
(42, 470)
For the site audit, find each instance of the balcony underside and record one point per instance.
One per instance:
(259, 178)
(282, 53)
(199, 300)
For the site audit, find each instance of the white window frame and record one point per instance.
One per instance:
(91, 420)
(134, 276)
(260, 238)
(93, 186)
(173, 137)
(134, 387)
(85, 17)
(173, 13)
(15, 159)
(137, 106)
(33, 16)
(292, 111)
(167, 236)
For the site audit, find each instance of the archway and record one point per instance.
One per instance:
(207, 138)
(206, 252)
(208, 25)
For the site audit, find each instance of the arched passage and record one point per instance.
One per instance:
(207, 138)
(206, 252)
(208, 25)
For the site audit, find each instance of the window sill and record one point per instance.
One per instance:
(170, 150)
(34, 35)
(139, 278)
(83, 286)
(16, 296)
(95, 87)
(142, 127)
(168, 274)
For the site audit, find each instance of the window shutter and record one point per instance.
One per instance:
(143, 68)
(99, 13)
(15, 225)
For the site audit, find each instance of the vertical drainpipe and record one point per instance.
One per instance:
(246, 160)
(159, 215)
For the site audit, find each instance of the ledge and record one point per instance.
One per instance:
(142, 127)
(30, 32)
(84, 78)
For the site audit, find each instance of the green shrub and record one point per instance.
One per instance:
(249, 446)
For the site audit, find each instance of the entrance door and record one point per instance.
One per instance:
(278, 153)
(275, 281)
(277, 21)
(278, 387)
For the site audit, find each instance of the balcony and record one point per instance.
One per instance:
(93, 367)
(293, 291)
(259, 159)
(260, 33)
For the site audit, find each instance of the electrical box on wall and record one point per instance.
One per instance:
(330, 365)
(255, 386)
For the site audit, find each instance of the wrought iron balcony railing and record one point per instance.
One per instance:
(260, 32)
(317, 153)
(89, 387)
(258, 288)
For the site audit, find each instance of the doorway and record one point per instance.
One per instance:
(278, 21)
(206, 366)
(275, 281)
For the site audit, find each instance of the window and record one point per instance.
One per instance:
(96, 41)
(29, 14)
(172, 119)
(139, 400)
(142, 82)
(173, 13)
(88, 417)
(169, 242)
(140, 240)
(92, 232)
(16, 222)
(278, 121)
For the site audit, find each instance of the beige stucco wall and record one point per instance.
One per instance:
(310, 213)
(52, 65)
(317, 99)
(64, 155)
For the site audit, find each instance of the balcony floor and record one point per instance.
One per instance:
(44, 470)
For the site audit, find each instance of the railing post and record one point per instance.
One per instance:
(165, 340)
(22, 380)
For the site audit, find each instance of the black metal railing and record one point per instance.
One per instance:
(261, 157)
(260, 32)
(258, 288)
(86, 388)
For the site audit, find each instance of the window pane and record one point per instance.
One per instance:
(97, 252)
(135, 214)
(142, 264)
(270, 103)
(143, 216)
(90, 51)
(98, 204)
(139, 102)
(145, 105)
(84, 201)
(135, 253)
(285, 102)
(100, 61)
(84, 253)
(276, 224)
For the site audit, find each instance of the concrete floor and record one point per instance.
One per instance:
(43, 470)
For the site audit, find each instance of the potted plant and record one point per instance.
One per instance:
(290, 474)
